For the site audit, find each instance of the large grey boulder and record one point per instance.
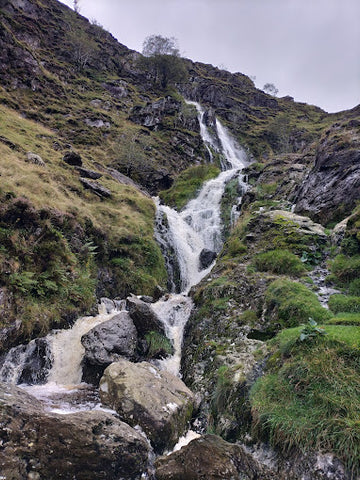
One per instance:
(92, 445)
(143, 395)
(106, 343)
(144, 317)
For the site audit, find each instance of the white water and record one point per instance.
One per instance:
(196, 227)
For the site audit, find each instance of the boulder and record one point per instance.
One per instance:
(96, 188)
(206, 258)
(91, 445)
(35, 159)
(143, 316)
(206, 458)
(107, 343)
(143, 395)
(72, 158)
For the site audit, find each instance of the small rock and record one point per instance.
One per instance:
(72, 158)
(206, 258)
(35, 159)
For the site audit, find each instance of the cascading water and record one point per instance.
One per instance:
(185, 235)
(197, 227)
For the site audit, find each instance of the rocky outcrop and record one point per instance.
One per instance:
(96, 188)
(90, 445)
(143, 316)
(107, 343)
(332, 188)
(152, 114)
(143, 395)
(87, 173)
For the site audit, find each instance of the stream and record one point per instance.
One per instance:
(187, 233)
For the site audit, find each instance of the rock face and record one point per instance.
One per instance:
(143, 395)
(143, 316)
(91, 445)
(331, 189)
(107, 343)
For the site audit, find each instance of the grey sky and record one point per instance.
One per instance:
(309, 49)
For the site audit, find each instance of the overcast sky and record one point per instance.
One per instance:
(310, 49)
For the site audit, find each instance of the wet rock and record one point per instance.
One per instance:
(143, 395)
(90, 445)
(206, 458)
(96, 188)
(143, 316)
(106, 343)
(86, 173)
(211, 458)
(35, 159)
(107, 304)
(206, 258)
(28, 364)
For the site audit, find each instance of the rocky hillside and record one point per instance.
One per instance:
(271, 350)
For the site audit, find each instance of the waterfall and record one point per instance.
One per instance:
(197, 227)
(57, 370)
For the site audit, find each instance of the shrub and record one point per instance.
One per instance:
(344, 303)
(294, 303)
(280, 262)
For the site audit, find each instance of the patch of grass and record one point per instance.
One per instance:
(294, 303)
(159, 346)
(345, 319)
(279, 262)
(310, 397)
(345, 269)
(344, 303)
(187, 185)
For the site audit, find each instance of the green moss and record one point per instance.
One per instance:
(344, 303)
(280, 262)
(345, 268)
(309, 399)
(187, 184)
(294, 303)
